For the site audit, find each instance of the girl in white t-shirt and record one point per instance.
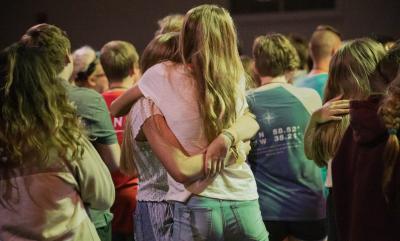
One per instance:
(200, 99)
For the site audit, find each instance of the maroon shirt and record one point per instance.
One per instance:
(361, 211)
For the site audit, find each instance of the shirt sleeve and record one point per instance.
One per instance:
(143, 109)
(98, 122)
(241, 105)
(94, 180)
(152, 83)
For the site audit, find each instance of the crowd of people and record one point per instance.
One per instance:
(194, 141)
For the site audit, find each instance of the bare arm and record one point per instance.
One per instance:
(181, 167)
(217, 153)
(110, 154)
(128, 166)
(244, 128)
(123, 103)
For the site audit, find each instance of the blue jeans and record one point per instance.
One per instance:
(202, 218)
(153, 221)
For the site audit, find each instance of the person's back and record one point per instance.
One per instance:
(358, 171)
(324, 42)
(172, 82)
(316, 82)
(49, 203)
(49, 171)
(120, 63)
(199, 99)
(366, 164)
(289, 185)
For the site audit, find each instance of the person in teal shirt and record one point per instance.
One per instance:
(289, 185)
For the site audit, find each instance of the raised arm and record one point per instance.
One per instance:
(123, 103)
(330, 111)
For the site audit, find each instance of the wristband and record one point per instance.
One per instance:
(229, 135)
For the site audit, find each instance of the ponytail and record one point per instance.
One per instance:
(390, 112)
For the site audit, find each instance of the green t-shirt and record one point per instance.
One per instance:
(92, 108)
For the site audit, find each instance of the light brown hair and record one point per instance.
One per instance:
(36, 115)
(163, 47)
(170, 23)
(274, 55)
(349, 76)
(118, 59)
(323, 42)
(208, 44)
(390, 113)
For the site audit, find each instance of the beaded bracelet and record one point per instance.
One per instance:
(229, 135)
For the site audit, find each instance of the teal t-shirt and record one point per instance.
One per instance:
(289, 185)
(316, 82)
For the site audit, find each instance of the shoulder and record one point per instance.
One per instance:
(304, 92)
(82, 93)
(312, 80)
(307, 96)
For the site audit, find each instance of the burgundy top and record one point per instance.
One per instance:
(362, 213)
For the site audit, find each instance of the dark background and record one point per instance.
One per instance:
(96, 22)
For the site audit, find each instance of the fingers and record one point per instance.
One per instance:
(214, 166)
(336, 98)
(340, 111)
(340, 104)
(336, 118)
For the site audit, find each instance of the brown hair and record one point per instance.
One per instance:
(252, 79)
(163, 47)
(36, 115)
(390, 113)
(208, 44)
(301, 46)
(118, 59)
(323, 41)
(349, 76)
(274, 55)
(170, 23)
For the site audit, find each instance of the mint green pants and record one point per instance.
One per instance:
(202, 218)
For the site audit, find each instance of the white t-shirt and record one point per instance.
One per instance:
(173, 90)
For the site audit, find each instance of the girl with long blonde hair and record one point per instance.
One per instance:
(204, 106)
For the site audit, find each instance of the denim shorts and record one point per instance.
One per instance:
(202, 218)
(153, 221)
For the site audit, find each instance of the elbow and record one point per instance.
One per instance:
(113, 109)
(256, 127)
(105, 200)
(181, 178)
(253, 128)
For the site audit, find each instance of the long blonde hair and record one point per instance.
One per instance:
(208, 44)
(350, 73)
(36, 115)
